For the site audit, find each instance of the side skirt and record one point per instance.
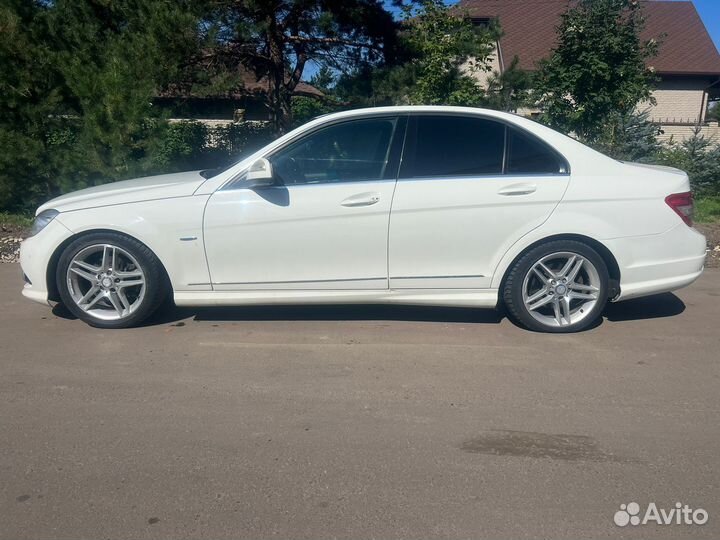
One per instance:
(483, 298)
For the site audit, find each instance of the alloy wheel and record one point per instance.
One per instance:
(106, 282)
(561, 289)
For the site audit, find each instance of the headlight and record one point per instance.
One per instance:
(42, 220)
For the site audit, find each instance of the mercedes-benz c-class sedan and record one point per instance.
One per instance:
(438, 206)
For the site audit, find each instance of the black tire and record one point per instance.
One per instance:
(156, 283)
(512, 291)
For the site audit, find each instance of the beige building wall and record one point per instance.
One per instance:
(679, 101)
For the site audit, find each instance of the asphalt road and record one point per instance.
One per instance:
(357, 422)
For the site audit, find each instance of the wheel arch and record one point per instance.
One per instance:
(50, 281)
(602, 250)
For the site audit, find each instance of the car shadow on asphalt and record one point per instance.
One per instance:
(648, 307)
(651, 307)
(350, 312)
(342, 312)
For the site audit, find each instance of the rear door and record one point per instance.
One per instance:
(469, 187)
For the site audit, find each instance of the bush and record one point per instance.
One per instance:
(233, 141)
(700, 158)
(181, 146)
(175, 147)
(193, 145)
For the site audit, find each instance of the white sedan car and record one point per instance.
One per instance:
(438, 206)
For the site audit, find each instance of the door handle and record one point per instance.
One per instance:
(362, 199)
(518, 189)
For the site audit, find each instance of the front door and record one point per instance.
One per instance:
(324, 225)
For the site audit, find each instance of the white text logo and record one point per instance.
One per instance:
(630, 514)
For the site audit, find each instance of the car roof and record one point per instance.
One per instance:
(409, 109)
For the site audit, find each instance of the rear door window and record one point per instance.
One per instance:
(456, 146)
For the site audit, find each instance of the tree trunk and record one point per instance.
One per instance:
(278, 96)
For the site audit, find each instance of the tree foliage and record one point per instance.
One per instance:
(114, 57)
(448, 53)
(509, 90)
(630, 137)
(439, 57)
(598, 68)
(278, 39)
(31, 94)
(77, 88)
(79, 78)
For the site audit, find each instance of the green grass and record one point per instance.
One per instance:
(15, 220)
(707, 210)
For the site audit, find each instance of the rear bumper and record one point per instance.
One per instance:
(658, 263)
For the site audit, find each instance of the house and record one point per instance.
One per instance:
(688, 64)
(246, 103)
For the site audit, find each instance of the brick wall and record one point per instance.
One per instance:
(679, 101)
(679, 133)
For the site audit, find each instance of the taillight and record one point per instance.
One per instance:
(682, 203)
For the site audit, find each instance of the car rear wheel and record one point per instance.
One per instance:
(110, 281)
(560, 286)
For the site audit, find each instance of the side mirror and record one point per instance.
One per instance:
(260, 174)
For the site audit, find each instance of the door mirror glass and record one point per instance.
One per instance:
(259, 174)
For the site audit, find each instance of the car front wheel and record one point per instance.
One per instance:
(560, 286)
(109, 280)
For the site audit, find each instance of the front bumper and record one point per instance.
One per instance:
(35, 255)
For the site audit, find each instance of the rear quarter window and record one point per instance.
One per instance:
(526, 154)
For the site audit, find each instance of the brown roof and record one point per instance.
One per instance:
(529, 32)
(251, 85)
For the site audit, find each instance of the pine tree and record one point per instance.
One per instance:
(31, 90)
(77, 87)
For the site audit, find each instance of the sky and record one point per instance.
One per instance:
(710, 13)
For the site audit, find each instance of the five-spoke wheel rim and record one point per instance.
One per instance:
(106, 282)
(561, 289)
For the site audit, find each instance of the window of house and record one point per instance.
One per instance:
(481, 22)
(457, 146)
(356, 150)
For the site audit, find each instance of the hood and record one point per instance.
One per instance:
(128, 191)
